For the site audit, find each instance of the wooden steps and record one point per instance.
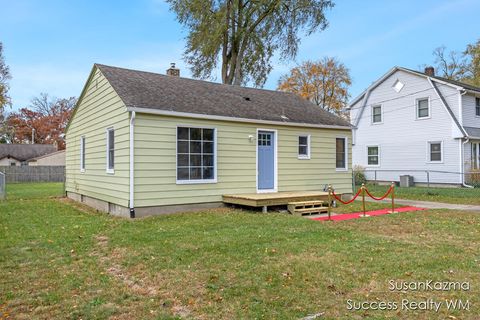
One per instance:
(307, 207)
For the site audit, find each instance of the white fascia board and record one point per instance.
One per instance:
(232, 119)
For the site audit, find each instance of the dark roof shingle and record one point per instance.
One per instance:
(169, 93)
(24, 152)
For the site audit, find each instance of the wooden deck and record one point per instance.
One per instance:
(273, 199)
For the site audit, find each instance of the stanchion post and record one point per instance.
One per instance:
(329, 202)
(363, 200)
(393, 198)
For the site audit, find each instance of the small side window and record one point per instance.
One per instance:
(341, 154)
(377, 114)
(477, 107)
(373, 155)
(304, 147)
(110, 150)
(435, 151)
(82, 154)
(423, 108)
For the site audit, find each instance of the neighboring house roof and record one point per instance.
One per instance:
(24, 152)
(473, 132)
(456, 84)
(47, 155)
(146, 91)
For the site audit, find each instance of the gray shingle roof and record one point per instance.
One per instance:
(169, 93)
(454, 82)
(24, 152)
(473, 132)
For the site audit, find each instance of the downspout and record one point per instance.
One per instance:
(132, 165)
(462, 146)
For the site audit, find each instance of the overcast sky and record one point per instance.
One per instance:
(51, 45)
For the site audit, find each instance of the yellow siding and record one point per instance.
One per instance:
(155, 161)
(99, 108)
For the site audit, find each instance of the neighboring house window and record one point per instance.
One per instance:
(195, 154)
(82, 154)
(373, 155)
(304, 147)
(110, 150)
(435, 151)
(477, 106)
(377, 114)
(475, 156)
(398, 86)
(423, 108)
(13, 164)
(341, 153)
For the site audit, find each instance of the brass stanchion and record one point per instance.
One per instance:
(363, 200)
(393, 198)
(329, 202)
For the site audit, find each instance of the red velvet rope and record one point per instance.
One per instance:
(346, 202)
(381, 198)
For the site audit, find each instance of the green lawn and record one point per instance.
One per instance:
(34, 190)
(446, 195)
(61, 260)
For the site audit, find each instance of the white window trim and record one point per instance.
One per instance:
(304, 156)
(109, 170)
(275, 161)
(82, 154)
(428, 152)
(475, 106)
(379, 161)
(476, 156)
(381, 114)
(197, 181)
(429, 108)
(346, 154)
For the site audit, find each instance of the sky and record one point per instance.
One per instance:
(51, 45)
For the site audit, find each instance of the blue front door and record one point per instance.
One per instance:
(266, 160)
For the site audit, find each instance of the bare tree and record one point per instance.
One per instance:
(451, 65)
(4, 77)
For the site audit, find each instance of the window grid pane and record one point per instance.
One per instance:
(422, 106)
(303, 146)
(195, 154)
(377, 114)
(435, 152)
(340, 153)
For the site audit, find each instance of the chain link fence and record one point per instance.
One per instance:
(2, 186)
(418, 178)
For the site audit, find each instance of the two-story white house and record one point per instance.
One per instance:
(410, 123)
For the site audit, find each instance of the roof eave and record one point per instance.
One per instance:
(232, 119)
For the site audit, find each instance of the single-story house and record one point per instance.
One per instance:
(142, 143)
(56, 158)
(415, 123)
(21, 154)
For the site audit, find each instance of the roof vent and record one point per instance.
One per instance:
(173, 71)
(246, 98)
(284, 117)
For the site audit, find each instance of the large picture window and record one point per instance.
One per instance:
(195, 154)
(110, 150)
(341, 153)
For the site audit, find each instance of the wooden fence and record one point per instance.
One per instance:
(14, 174)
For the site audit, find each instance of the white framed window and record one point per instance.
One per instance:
(82, 154)
(341, 158)
(373, 155)
(477, 107)
(475, 154)
(423, 108)
(398, 86)
(110, 150)
(196, 155)
(377, 114)
(435, 151)
(304, 147)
